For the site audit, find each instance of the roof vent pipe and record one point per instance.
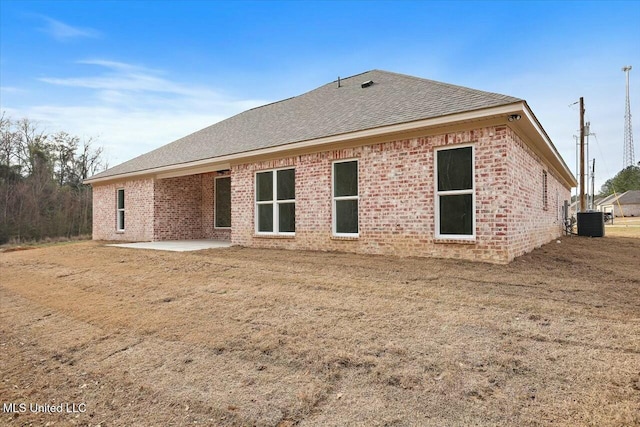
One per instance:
(338, 81)
(366, 84)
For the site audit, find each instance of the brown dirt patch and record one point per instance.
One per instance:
(16, 248)
(265, 337)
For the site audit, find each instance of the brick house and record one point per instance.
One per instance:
(379, 163)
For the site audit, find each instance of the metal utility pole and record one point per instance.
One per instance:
(582, 201)
(628, 158)
(593, 190)
(587, 159)
(576, 138)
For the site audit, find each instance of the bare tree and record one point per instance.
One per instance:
(89, 160)
(65, 147)
(41, 181)
(32, 145)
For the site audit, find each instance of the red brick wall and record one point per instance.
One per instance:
(138, 196)
(530, 224)
(396, 208)
(396, 199)
(178, 208)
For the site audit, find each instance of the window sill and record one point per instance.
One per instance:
(347, 238)
(455, 241)
(119, 231)
(274, 236)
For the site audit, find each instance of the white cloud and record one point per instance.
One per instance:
(120, 76)
(122, 66)
(124, 134)
(132, 109)
(10, 89)
(62, 32)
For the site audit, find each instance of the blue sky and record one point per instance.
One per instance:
(140, 74)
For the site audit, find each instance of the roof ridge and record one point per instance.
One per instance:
(309, 91)
(406, 76)
(466, 88)
(346, 78)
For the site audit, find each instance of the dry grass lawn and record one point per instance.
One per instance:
(624, 227)
(277, 338)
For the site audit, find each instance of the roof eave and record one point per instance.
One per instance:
(543, 145)
(223, 162)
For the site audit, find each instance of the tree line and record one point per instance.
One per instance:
(627, 179)
(41, 175)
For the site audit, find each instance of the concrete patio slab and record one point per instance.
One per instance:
(176, 245)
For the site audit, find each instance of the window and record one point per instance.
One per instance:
(455, 195)
(345, 198)
(276, 202)
(545, 202)
(120, 209)
(222, 211)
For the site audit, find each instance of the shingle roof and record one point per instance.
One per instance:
(630, 197)
(607, 200)
(326, 111)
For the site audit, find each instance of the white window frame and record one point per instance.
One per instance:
(471, 191)
(274, 201)
(120, 227)
(335, 199)
(215, 204)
